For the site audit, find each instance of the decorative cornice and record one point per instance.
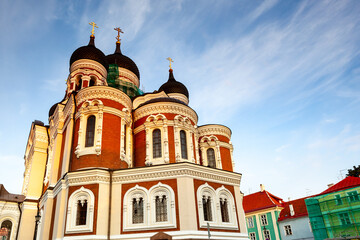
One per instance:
(214, 129)
(103, 92)
(176, 170)
(127, 75)
(87, 63)
(165, 107)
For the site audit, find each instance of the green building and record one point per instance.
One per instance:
(262, 209)
(335, 213)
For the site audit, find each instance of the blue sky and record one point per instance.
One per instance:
(283, 75)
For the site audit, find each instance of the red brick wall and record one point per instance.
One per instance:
(226, 159)
(139, 149)
(171, 144)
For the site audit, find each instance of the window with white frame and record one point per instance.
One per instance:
(211, 157)
(80, 214)
(90, 128)
(149, 208)
(90, 131)
(266, 234)
(263, 219)
(250, 222)
(156, 135)
(216, 206)
(183, 144)
(287, 229)
(252, 236)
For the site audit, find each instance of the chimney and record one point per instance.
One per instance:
(262, 187)
(330, 185)
(292, 211)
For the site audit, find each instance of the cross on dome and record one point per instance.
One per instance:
(93, 28)
(118, 36)
(170, 61)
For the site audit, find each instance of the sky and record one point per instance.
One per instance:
(284, 76)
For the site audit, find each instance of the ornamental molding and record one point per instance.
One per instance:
(103, 92)
(165, 107)
(88, 177)
(87, 63)
(214, 129)
(177, 170)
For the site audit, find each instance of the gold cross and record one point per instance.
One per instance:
(118, 36)
(93, 26)
(170, 61)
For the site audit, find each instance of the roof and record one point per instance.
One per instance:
(173, 86)
(89, 52)
(346, 183)
(8, 197)
(122, 61)
(299, 209)
(260, 200)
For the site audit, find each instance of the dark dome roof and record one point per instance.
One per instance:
(89, 52)
(173, 86)
(122, 61)
(52, 109)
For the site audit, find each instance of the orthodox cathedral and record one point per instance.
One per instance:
(116, 163)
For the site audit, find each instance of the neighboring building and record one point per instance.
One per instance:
(294, 221)
(335, 212)
(116, 163)
(10, 212)
(262, 210)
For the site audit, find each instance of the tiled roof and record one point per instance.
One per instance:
(260, 200)
(8, 197)
(299, 209)
(346, 183)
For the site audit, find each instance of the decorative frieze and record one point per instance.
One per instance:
(214, 129)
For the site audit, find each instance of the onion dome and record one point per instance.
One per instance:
(122, 61)
(173, 86)
(89, 52)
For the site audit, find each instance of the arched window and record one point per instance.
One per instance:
(211, 157)
(206, 202)
(79, 85)
(7, 224)
(90, 131)
(138, 210)
(224, 210)
(156, 143)
(183, 144)
(92, 82)
(161, 208)
(81, 212)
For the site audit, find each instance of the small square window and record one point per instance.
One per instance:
(266, 235)
(344, 219)
(263, 219)
(250, 222)
(252, 236)
(338, 200)
(353, 196)
(288, 230)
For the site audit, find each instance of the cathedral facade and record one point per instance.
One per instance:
(116, 163)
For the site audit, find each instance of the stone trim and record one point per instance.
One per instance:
(103, 92)
(164, 107)
(214, 129)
